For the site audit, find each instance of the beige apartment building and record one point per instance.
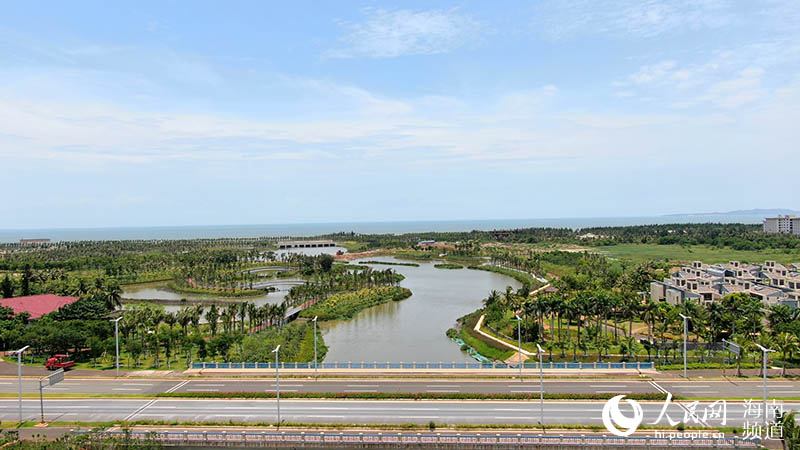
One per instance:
(782, 224)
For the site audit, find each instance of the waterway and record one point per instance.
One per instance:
(408, 330)
(172, 300)
(414, 329)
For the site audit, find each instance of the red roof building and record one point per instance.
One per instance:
(37, 305)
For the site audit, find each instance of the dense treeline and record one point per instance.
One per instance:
(736, 236)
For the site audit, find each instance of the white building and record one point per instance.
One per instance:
(782, 224)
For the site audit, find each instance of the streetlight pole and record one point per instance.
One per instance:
(765, 350)
(685, 337)
(277, 384)
(315, 346)
(519, 340)
(19, 378)
(116, 339)
(541, 387)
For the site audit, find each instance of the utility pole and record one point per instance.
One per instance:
(541, 387)
(519, 340)
(315, 346)
(765, 350)
(277, 384)
(685, 337)
(19, 379)
(116, 339)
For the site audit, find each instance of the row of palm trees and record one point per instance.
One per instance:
(323, 284)
(599, 316)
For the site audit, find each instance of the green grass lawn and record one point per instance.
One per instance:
(677, 253)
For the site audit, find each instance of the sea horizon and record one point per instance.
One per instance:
(314, 229)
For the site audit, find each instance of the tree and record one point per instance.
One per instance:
(791, 431)
(7, 287)
(27, 274)
(787, 344)
(325, 262)
(212, 317)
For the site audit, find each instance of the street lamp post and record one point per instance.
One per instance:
(315, 346)
(277, 384)
(519, 340)
(765, 350)
(116, 339)
(685, 337)
(541, 387)
(19, 378)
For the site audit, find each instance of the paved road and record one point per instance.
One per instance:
(699, 388)
(330, 411)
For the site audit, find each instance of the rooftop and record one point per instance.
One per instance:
(37, 305)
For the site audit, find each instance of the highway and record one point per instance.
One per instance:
(149, 386)
(351, 411)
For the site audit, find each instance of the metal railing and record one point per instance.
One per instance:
(300, 439)
(423, 365)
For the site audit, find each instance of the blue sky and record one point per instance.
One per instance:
(177, 113)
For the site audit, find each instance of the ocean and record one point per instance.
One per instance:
(311, 229)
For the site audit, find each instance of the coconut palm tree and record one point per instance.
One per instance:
(787, 343)
(212, 317)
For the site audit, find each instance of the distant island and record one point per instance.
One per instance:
(742, 212)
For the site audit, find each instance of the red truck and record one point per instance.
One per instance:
(59, 362)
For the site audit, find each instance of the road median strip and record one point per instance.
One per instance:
(405, 396)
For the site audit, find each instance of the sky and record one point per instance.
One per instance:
(191, 113)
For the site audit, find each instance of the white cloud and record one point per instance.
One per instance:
(562, 19)
(388, 34)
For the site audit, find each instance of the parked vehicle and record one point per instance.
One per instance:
(59, 362)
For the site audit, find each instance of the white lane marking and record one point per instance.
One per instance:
(511, 417)
(329, 408)
(510, 409)
(701, 392)
(419, 409)
(417, 417)
(613, 392)
(288, 385)
(282, 390)
(136, 384)
(172, 389)
(442, 386)
(689, 412)
(163, 407)
(126, 389)
(243, 407)
(442, 391)
(177, 386)
(785, 392)
(525, 392)
(202, 390)
(6, 383)
(328, 417)
(209, 385)
(690, 385)
(362, 385)
(608, 386)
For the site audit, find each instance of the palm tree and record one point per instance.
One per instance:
(787, 343)
(649, 312)
(493, 298)
(212, 317)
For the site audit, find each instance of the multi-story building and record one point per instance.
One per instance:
(782, 224)
(773, 283)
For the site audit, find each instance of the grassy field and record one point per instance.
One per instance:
(678, 253)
